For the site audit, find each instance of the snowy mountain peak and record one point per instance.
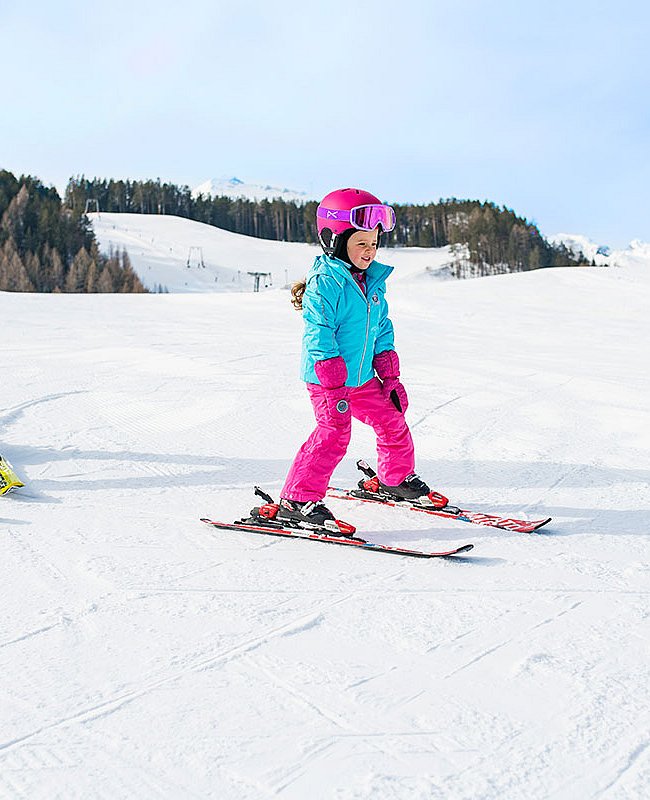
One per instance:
(579, 245)
(237, 188)
(637, 253)
(639, 246)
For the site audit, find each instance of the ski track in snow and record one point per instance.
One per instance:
(145, 655)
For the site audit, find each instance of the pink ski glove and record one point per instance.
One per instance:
(332, 374)
(386, 366)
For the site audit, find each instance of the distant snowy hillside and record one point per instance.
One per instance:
(234, 187)
(182, 255)
(636, 253)
(160, 247)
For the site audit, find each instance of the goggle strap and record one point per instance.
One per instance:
(333, 213)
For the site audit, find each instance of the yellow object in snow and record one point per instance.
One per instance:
(8, 478)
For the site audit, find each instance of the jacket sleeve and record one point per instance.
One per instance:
(385, 336)
(319, 304)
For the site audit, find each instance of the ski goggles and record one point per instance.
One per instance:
(364, 218)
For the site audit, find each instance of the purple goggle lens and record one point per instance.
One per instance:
(364, 218)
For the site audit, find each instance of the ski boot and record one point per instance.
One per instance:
(308, 516)
(412, 489)
(313, 515)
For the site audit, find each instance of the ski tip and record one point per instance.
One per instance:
(530, 527)
(464, 548)
(10, 489)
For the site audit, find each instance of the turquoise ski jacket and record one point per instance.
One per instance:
(341, 321)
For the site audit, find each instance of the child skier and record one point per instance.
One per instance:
(349, 362)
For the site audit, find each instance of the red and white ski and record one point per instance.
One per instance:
(272, 529)
(447, 512)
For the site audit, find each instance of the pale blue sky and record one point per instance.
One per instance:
(542, 107)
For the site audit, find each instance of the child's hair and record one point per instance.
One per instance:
(297, 291)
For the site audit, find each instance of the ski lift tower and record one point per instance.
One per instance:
(90, 201)
(257, 276)
(195, 253)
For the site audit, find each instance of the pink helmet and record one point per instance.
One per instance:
(350, 210)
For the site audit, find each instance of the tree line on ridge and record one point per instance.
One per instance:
(488, 238)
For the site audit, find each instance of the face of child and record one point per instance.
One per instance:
(362, 248)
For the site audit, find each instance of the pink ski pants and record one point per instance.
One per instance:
(317, 459)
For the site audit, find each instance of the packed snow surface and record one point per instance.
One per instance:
(145, 655)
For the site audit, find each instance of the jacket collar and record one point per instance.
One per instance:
(376, 272)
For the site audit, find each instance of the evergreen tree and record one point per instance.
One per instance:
(13, 274)
(46, 247)
(105, 282)
(77, 276)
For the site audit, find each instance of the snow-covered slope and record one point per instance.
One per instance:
(234, 187)
(160, 248)
(145, 656)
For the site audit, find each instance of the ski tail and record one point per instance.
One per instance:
(365, 467)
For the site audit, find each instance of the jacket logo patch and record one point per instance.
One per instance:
(375, 299)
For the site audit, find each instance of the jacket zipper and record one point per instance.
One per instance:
(365, 344)
(364, 295)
